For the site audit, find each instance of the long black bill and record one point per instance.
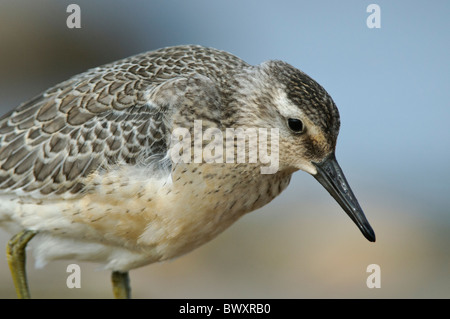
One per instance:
(330, 175)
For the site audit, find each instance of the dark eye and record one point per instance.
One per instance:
(295, 125)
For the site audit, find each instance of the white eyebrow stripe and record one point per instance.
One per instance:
(285, 106)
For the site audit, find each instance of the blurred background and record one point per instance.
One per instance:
(392, 89)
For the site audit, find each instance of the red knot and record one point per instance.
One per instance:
(88, 171)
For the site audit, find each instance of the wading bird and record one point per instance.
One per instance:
(85, 169)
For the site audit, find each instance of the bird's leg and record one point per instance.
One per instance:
(16, 256)
(121, 285)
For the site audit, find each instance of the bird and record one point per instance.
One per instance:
(88, 170)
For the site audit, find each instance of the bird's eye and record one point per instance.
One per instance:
(295, 125)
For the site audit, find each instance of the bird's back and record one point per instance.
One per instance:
(52, 143)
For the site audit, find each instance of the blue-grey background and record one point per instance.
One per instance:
(392, 89)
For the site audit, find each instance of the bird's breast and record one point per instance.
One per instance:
(172, 214)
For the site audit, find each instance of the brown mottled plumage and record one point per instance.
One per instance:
(85, 166)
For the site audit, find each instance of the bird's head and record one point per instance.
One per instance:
(308, 124)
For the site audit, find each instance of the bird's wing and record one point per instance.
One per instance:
(50, 144)
(109, 115)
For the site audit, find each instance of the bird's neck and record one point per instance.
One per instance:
(234, 189)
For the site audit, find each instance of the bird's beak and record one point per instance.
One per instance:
(330, 175)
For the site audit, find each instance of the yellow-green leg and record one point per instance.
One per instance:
(16, 256)
(121, 285)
